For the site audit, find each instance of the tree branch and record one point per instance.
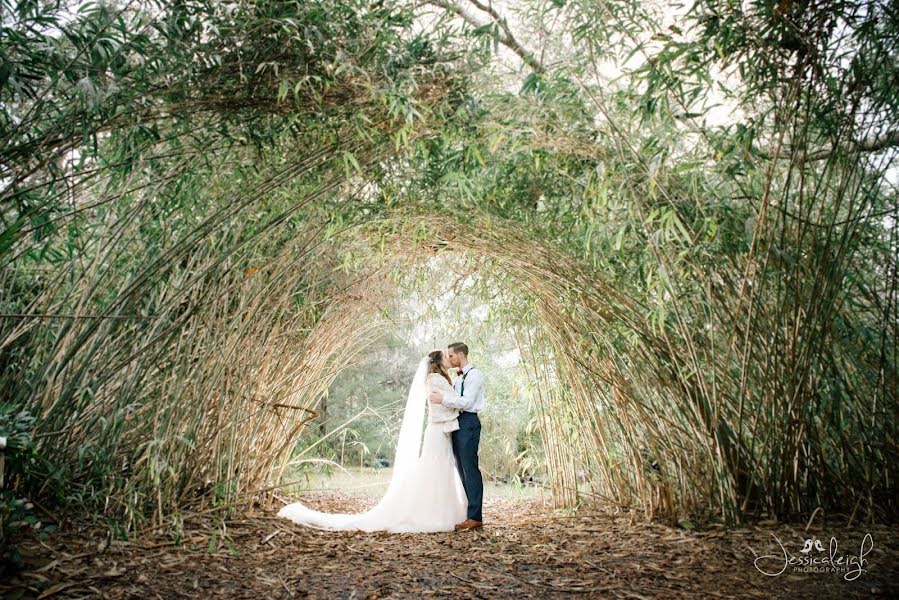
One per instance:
(888, 139)
(504, 35)
(885, 140)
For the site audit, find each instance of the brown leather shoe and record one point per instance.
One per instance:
(469, 524)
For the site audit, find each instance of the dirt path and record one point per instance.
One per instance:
(523, 552)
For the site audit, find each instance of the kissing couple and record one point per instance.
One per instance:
(438, 488)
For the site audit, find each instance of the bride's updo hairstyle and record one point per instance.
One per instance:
(435, 365)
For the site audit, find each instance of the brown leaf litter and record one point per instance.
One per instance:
(524, 551)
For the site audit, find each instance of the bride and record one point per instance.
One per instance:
(425, 492)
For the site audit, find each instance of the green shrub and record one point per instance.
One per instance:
(18, 460)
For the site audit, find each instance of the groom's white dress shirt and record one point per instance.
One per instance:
(471, 398)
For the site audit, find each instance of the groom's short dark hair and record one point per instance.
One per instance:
(459, 347)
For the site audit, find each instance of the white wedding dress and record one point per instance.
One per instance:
(425, 492)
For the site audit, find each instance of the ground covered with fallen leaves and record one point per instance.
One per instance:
(524, 551)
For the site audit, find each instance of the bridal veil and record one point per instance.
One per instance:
(410, 495)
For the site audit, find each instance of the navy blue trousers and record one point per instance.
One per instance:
(465, 449)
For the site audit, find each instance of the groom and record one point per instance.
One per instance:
(468, 395)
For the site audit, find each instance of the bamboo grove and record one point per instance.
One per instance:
(204, 204)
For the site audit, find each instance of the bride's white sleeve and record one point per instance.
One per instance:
(439, 412)
(445, 387)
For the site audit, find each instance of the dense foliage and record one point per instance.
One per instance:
(205, 204)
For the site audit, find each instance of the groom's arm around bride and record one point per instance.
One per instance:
(468, 396)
